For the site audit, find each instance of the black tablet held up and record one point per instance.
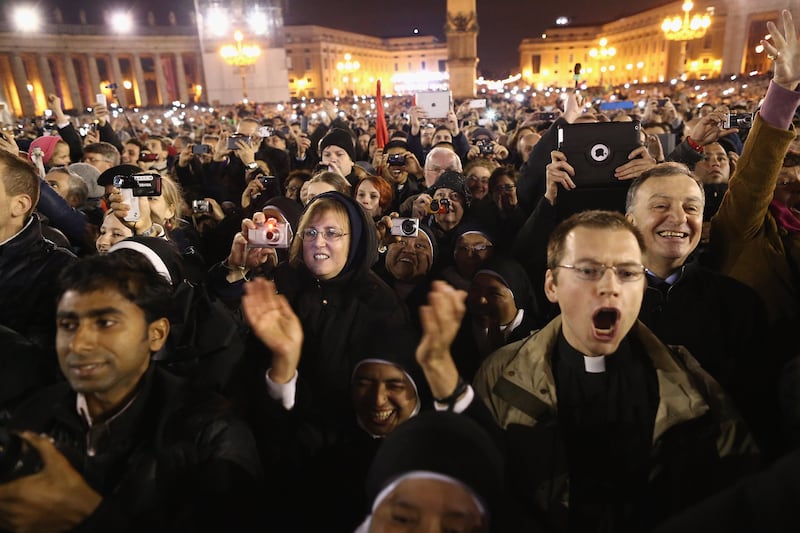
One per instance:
(596, 150)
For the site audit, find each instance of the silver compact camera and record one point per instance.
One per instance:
(405, 227)
(743, 121)
(200, 206)
(270, 234)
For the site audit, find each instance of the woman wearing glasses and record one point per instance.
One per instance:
(329, 283)
(474, 245)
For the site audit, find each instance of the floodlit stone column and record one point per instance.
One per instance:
(180, 72)
(461, 30)
(117, 72)
(141, 88)
(72, 82)
(45, 75)
(21, 81)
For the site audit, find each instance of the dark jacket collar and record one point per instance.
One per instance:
(29, 237)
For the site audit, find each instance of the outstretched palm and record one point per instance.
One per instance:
(785, 50)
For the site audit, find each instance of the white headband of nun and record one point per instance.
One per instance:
(146, 251)
(426, 474)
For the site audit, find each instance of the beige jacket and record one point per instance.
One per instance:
(516, 383)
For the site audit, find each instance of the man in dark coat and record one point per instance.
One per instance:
(608, 429)
(126, 446)
(29, 264)
(721, 321)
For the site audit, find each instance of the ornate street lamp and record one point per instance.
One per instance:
(242, 56)
(686, 28)
(601, 54)
(348, 67)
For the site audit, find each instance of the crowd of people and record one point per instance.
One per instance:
(283, 318)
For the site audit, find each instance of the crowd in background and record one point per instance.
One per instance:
(337, 322)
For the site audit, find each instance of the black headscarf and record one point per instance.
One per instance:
(513, 276)
(444, 443)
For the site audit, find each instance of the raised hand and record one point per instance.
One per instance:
(784, 51)
(8, 143)
(440, 319)
(654, 147)
(276, 325)
(559, 172)
(639, 161)
(243, 258)
(709, 128)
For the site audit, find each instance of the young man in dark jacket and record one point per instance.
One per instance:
(126, 446)
(29, 264)
(608, 429)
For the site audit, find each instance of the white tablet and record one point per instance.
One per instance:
(435, 103)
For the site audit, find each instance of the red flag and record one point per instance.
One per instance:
(381, 131)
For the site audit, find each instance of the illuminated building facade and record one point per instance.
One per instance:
(156, 66)
(634, 48)
(161, 61)
(324, 62)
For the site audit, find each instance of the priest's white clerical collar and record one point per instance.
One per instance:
(594, 365)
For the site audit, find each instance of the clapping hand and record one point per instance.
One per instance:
(274, 322)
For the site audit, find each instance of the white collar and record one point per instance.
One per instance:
(594, 365)
(83, 409)
(511, 326)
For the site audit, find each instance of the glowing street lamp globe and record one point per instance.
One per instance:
(240, 55)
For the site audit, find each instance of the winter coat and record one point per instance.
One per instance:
(698, 441)
(29, 270)
(173, 460)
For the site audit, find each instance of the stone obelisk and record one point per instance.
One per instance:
(461, 30)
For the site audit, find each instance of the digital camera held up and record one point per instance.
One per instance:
(743, 121)
(145, 184)
(135, 186)
(439, 207)
(396, 160)
(486, 148)
(270, 234)
(233, 140)
(201, 207)
(405, 227)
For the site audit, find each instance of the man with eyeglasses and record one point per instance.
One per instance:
(101, 155)
(608, 429)
(438, 161)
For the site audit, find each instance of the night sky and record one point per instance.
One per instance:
(503, 23)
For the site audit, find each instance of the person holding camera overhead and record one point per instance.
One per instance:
(329, 284)
(484, 146)
(234, 157)
(409, 263)
(402, 169)
(447, 205)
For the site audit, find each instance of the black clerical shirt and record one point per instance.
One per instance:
(606, 419)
